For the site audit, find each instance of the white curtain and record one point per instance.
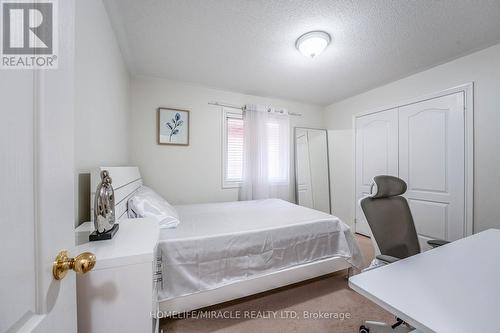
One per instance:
(266, 154)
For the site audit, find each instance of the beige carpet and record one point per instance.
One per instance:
(329, 294)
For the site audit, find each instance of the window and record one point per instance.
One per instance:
(276, 135)
(233, 132)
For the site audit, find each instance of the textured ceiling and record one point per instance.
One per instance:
(248, 45)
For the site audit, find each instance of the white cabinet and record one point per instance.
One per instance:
(423, 143)
(118, 294)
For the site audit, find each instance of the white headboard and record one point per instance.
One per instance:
(125, 181)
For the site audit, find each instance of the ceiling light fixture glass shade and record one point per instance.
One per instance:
(313, 43)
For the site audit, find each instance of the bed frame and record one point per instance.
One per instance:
(126, 180)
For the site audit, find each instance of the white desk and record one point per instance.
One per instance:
(454, 288)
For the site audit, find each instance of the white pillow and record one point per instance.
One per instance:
(147, 203)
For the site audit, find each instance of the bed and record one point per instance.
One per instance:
(224, 251)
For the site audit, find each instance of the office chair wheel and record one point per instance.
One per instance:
(363, 329)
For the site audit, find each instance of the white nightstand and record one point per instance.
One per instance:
(118, 294)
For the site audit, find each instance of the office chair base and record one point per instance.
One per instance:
(379, 327)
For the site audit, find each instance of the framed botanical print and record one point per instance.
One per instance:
(173, 127)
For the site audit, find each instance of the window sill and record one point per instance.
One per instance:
(228, 185)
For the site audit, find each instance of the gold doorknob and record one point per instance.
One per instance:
(80, 264)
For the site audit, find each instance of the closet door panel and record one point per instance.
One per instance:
(431, 161)
(376, 154)
(431, 217)
(425, 148)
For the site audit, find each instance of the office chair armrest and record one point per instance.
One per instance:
(437, 242)
(387, 259)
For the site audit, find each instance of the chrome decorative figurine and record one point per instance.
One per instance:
(104, 210)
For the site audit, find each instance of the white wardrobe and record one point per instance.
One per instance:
(425, 143)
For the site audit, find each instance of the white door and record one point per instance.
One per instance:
(36, 196)
(432, 162)
(376, 154)
(304, 190)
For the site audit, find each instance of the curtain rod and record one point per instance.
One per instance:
(243, 108)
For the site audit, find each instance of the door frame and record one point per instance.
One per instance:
(468, 90)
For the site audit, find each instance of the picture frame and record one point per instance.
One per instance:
(172, 126)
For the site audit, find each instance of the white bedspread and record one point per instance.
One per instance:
(221, 243)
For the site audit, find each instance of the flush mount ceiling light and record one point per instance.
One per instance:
(313, 43)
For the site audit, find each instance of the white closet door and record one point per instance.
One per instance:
(304, 186)
(432, 162)
(376, 154)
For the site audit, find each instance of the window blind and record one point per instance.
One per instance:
(234, 144)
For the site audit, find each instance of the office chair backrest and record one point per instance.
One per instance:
(390, 219)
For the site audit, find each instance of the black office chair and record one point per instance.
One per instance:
(389, 217)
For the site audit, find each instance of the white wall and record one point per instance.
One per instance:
(101, 97)
(191, 174)
(483, 68)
